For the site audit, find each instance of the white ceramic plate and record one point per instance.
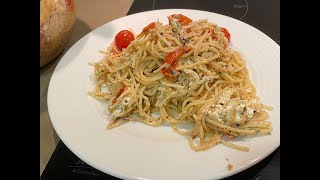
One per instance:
(135, 150)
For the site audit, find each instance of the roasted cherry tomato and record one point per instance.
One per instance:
(184, 20)
(123, 39)
(226, 33)
(171, 60)
(147, 29)
(175, 55)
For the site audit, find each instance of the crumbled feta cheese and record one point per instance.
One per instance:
(206, 78)
(126, 101)
(117, 110)
(174, 23)
(249, 112)
(238, 116)
(232, 109)
(240, 108)
(226, 109)
(226, 96)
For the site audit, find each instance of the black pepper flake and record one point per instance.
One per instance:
(221, 104)
(237, 125)
(254, 111)
(149, 121)
(161, 33)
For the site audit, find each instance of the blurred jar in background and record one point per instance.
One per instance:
(57, 18)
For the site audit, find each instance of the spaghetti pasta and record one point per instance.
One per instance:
(185, 72)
